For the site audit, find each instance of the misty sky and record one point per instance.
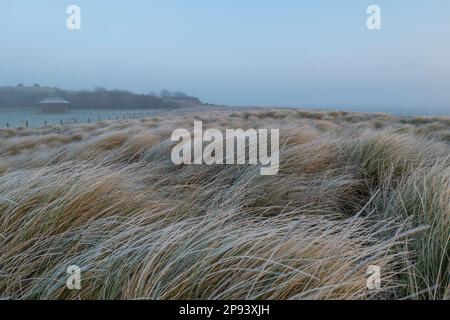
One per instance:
(249, 52)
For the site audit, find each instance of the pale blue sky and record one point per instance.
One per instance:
(248, 52)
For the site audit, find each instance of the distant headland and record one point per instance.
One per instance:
(21, 96)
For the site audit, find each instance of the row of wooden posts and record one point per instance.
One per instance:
(116, 117)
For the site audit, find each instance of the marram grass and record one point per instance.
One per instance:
(353, 190)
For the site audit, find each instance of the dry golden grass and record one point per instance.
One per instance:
(353, 190)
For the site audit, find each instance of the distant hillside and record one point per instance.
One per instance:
(24, 97)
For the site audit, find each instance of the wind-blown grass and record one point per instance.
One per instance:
(353, 190)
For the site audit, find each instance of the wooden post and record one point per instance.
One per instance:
(45, 123)
(26, 123)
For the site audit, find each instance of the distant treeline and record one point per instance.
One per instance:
(99, 98)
